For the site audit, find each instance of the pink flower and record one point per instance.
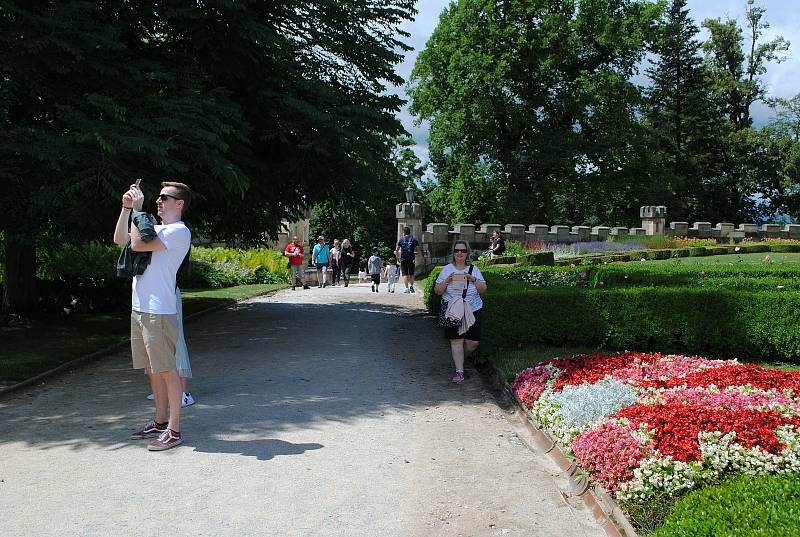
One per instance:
(736, 249)
(572, 265)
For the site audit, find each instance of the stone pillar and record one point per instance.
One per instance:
(584, 233)
(561, 233)
(619, 231)
(653, 218)
(680, 229)
(723, 230)
(701, 230)
(792, 231)
(514, 232)
(600, 233)
(466, 232)
(537, 232)
(440, 241)
(771, 230)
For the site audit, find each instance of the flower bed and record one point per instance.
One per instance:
(647, 424)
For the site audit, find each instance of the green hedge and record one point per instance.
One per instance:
(717, 322)
(747, 506)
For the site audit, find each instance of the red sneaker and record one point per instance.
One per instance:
(168, 439)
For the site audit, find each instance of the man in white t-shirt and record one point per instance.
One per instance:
(154, 323)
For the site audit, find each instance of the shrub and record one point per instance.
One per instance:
(720, 322)
(744, 506)
(540, 258)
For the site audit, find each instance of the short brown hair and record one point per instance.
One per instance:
(186, 193)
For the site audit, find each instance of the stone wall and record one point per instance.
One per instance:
(437, 238)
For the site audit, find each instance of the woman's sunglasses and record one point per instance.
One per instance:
(459, 250)
(163, 197)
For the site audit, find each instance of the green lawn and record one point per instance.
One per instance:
(42, 345)
(733, 259)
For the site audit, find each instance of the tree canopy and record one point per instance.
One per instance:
(579, 111)
(261, 107)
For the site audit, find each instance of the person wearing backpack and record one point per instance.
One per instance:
(406, 250)
(461, 279)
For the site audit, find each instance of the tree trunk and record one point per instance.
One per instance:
(19, 289)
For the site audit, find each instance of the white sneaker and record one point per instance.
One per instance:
(407, 291)
(187, 400)
(151, 397)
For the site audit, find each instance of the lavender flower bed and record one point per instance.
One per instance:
(604, 247)
(561, 251)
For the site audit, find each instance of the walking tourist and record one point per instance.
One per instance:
(407, 249)
(454, 279)
(154, 324)
(348, 256)
(392, 272)
(336, 259)
(294, 251)
(319, 258)
(362, 269)
(374, 266)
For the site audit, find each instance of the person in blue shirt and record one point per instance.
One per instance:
(407, 250)
(319, 257)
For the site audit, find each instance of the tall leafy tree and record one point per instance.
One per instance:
(739, 60)
(686, 131)
(262, 107)
(533, 97)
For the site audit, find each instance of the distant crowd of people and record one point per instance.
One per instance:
(338, 259)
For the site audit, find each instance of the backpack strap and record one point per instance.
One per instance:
(464, 294)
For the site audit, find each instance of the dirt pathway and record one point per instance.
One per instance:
(320, 413)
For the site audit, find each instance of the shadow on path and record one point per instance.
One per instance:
(261, 367)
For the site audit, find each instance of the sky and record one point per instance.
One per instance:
(783, 79)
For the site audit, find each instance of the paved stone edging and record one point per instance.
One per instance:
(605, 510)
(72, 364)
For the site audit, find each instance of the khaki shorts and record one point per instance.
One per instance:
(154, 339)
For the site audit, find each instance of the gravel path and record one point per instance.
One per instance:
(325, 412)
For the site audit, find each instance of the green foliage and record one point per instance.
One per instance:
(226, 267)
(745, 506)
(717, 321)
(529, 104)
(261, 107)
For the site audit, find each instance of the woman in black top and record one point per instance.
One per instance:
(346, 260)
(498, 246)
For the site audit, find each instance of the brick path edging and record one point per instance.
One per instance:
(605, 510)
(73, 364)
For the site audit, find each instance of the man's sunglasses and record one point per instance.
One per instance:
(459, 250)
(163, 197)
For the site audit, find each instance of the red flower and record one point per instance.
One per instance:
(677, 426)
(734, 375)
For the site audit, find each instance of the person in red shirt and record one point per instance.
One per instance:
(294, 251)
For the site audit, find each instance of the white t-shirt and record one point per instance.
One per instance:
(455, 289)
(154, 291)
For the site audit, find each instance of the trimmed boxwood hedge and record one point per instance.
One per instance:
(746, 506)
(715, 322)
